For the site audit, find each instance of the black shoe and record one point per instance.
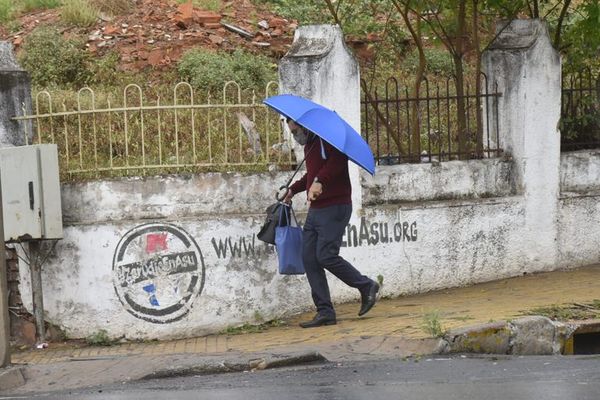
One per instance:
(369, 299)
(318, 320)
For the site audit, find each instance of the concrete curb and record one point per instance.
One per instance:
(532, 335)
(267, 362)
(11, 378)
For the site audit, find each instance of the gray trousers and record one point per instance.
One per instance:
(321, 241)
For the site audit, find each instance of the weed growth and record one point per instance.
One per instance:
(567, 312)
(249, 328)
(99, 338)
(113, 7)
(78, 12)
(432, 324)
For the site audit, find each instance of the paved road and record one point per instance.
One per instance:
(455, 378)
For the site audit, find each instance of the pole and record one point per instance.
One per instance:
(35, 268)
(4, 317)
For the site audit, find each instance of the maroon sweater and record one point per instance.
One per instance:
(332, 172)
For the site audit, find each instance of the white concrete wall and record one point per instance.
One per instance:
(580, 171)
(579, 239)
(439, 181)
(416, 246)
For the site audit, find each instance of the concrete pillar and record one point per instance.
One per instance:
(528, 72)
(15, 91)
(320, 67)
(4, 316)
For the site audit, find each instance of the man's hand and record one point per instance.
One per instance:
(288, 197)
(315, 191)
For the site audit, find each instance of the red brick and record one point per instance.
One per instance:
(111, 30)
(277, 22)
(206, 17)
(185, 15)
(212, 25)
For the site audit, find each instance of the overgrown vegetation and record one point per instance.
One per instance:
(78, 12)
(53, 60)
(9, 9)
(210, 70)
(6, 10)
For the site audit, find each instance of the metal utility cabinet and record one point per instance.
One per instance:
(31, 193)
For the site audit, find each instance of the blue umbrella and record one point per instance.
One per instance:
(326, 124)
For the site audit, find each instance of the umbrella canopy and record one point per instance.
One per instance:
(326, 124)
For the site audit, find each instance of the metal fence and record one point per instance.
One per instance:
(101, 134)
(580, 111)
(134, 134)
(438, 123)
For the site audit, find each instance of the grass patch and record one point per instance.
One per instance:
(79, 13)
(432, 325)
(31, 5)
(575, 311)
(209, 5)
(7, 10)
(100, 338)
(249, 328)
(113, 7)
(209, 70)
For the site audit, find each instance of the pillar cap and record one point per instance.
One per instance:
(315, 40)
(518, 33)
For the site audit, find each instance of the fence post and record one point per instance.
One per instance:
(320, 67)
(522, 61)
(15, 93)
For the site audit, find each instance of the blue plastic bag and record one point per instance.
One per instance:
(288, 242)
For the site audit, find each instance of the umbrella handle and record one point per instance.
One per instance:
(283, 196)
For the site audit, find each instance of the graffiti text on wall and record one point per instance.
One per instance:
(240, 247)
(365, 234)
(370, 234)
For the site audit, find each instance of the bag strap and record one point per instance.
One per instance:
(284, 214)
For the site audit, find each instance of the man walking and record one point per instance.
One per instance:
(330, 206)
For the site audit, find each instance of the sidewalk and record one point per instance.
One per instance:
(392, 329)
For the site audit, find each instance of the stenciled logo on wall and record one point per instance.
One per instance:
(158, 271)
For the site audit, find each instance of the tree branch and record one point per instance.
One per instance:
(334, 13)
(561, 18)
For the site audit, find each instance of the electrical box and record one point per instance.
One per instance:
(30, 193)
